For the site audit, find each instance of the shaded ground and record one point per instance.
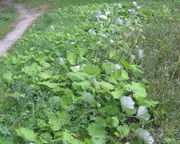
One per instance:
(25, 19)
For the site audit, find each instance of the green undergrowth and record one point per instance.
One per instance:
(62, 3)
(7, 17)
(76, 78)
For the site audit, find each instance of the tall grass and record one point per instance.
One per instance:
(161, 43)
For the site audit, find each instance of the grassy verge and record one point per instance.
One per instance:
(44, 48)
(162, 67)
(63, 3)
(7, 17)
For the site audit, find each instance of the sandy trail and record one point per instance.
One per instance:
(24, 20)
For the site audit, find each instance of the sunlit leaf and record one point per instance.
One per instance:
(138, 90)
(110, 108)
(92, 69)
(72, 58)
(7, 76)
(108, 67)
(49, 84)
(45, 137)
(106, 85)
(97, 131)
(118, 93)
(123, 130)
(27, 134)
(67, 137)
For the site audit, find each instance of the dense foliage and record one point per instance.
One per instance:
(77, 83)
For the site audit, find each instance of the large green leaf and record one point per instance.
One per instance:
(68, 138)
(7, 76)
(49, 84)
(120, 75)
(32, 70)
(118, 93)
(66, 101)
(81, 86)
(57, 120)
(45, 138)
(123, 130)
(106, 85)
(108, 67)
(92, 69)
(110, 108)
(72, 58)
(97, 131)
(45, 75)
(138, 90)
(77, 76)
(27, 134)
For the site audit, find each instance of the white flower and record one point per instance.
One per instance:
(99, 42)
(131, 10)
(61, 60)
(143, 113)
(102, 17)
(112, 41)
(104, 35)
(117, 66)
(77, 67)
(127, 102)
(145, 136)
(119, 5)
(138, 7)
(141, 53)
(94, 81)
(108, 12)
(99, 12)
(52, 27)
(133, 57)
(119, 21)
(92, 32)
(167, 74)
(135, 3)
(73, 43)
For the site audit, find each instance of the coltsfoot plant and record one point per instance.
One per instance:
(72, 80)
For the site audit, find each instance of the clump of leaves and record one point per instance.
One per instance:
(81, 88)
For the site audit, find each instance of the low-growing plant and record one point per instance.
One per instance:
(75, 79)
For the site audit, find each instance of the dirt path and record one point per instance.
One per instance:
(24, 20)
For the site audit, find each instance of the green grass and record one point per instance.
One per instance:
(64, 3)
(162, 67)
(7, 17)
(159, 40)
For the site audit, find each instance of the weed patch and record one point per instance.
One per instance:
(76, 78)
